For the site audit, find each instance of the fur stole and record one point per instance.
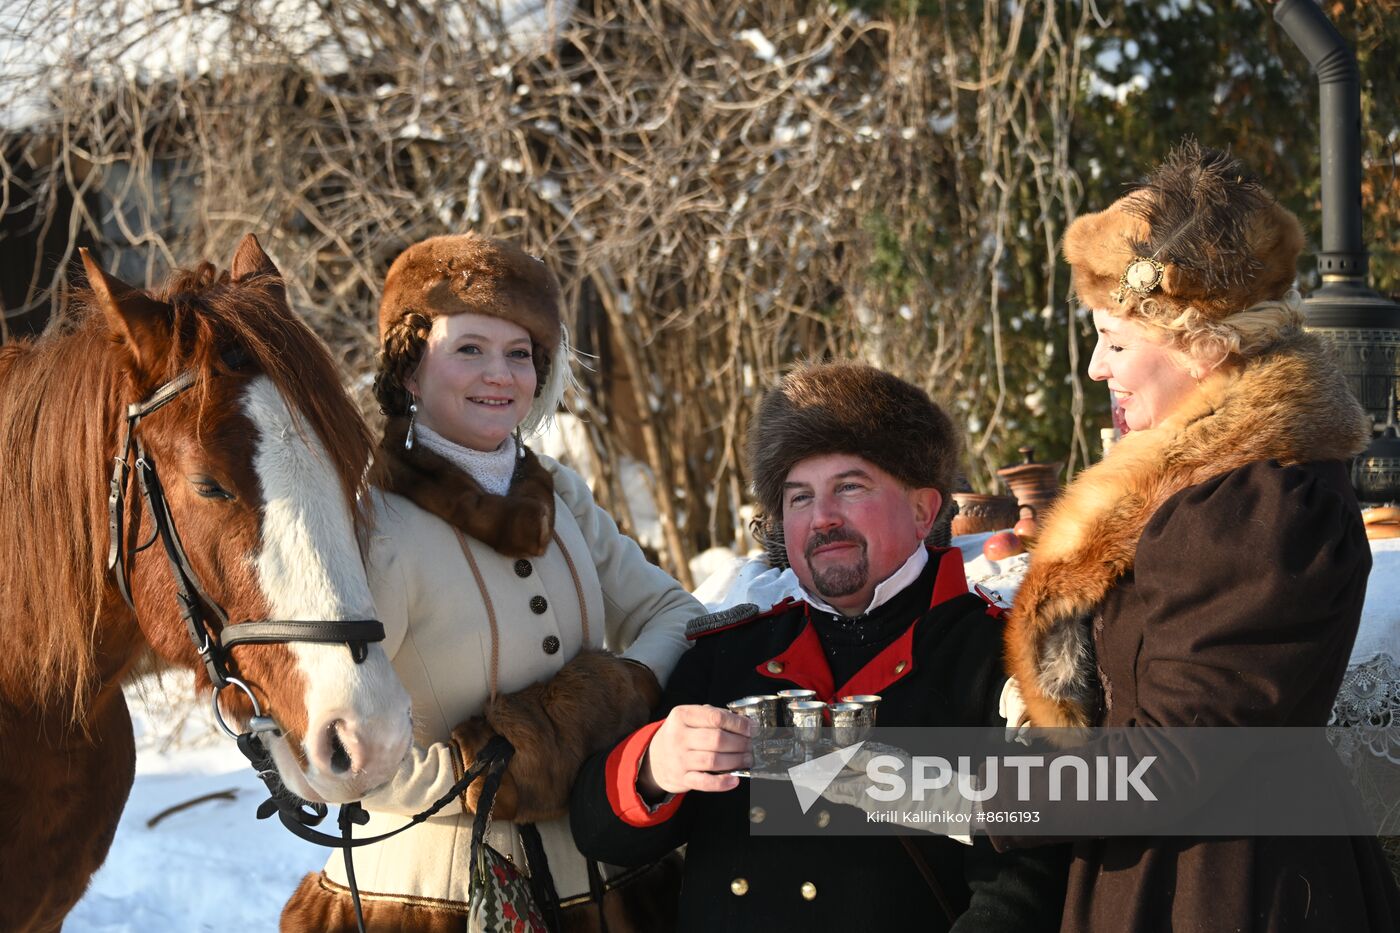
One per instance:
(518, 524)
(1290, 404)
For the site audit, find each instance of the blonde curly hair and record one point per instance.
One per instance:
(1219, 341)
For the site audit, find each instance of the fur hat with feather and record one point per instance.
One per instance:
(1200, 233)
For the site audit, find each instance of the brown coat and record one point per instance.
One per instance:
(1210, 572)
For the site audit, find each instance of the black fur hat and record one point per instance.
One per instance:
(856, 409)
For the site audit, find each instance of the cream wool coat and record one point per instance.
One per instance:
(437, 633)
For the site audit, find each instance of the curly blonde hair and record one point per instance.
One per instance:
(1236, 337)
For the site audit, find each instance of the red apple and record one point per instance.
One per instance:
(1025, 528)
(1002, 545)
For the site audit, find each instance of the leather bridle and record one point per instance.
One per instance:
(205, 620)
(212, 635)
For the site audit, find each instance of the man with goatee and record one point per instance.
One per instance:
(852, 467)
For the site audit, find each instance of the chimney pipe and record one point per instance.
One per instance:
(1339, 82)
(1364, 326)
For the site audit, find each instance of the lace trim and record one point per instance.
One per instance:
(1368, 706)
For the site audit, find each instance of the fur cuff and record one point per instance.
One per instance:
(469, 738)
(592, 702)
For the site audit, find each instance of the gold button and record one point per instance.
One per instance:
(809, 891)
(823, 819)
(757, 814)
(740, 887)
(775, 667)
(899, 668)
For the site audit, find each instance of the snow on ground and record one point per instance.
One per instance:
(212, 867)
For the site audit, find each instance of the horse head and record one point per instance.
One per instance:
(261, 461)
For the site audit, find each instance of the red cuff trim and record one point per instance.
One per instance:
(624, 763)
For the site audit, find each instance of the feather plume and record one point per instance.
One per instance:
(1201, 205)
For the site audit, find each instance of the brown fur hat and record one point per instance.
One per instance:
(473, 274)
(1222, 242)
(856, 409)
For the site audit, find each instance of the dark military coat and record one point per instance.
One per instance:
(936, 660)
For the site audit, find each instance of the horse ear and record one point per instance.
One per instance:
(142, 323)
(250, 260)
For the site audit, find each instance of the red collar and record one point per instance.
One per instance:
(803, 662)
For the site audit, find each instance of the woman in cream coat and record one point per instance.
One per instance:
(504, 591)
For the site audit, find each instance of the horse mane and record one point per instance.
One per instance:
(60, 403)
(214, 315)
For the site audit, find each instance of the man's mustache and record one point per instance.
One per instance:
(823, 538)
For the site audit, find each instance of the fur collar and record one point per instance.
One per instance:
(1290, 405)
(518, 524)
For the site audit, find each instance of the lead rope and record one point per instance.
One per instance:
(347, 818)
(491, 761)
(541, 880)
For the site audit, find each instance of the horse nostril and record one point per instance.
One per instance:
(340, 758)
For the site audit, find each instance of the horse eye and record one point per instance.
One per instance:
(210, 488)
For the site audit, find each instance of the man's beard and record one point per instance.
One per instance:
(840, 580)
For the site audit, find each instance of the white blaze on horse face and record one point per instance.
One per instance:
(310, 568)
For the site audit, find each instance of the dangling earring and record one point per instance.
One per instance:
(408, 437)
(519, 444)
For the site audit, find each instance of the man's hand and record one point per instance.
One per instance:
(693, 744)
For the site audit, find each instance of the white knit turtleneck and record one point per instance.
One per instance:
(492, 469)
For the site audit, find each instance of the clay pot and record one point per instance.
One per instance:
(1027, 528)
(978, 512)
(1033, 484)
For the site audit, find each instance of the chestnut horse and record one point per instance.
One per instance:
(261, 460)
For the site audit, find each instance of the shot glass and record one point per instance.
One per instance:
(761, 710)
(787, 696)
(808, 717)
(772, 712)
(868, 701)
(848, 721)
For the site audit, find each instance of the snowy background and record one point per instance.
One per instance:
(213, 866)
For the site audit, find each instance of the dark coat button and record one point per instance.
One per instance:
(551, 644)
(523, 568)
(538, 604)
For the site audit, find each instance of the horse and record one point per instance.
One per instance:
(263, 458)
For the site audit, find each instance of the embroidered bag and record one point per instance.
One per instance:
(501, 900)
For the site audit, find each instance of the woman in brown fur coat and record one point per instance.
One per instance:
(504, 591)
(1211, 570)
